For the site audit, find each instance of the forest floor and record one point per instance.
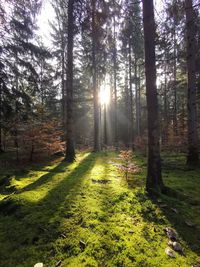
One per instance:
(87, 214)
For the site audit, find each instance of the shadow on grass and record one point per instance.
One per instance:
(179, 210)
(180, 204)
(60, 168)
(27, 223)
(72, 182)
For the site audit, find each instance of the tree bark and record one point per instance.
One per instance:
(1, 147)
(130, 95)
(175, 124)
(139, 103)
(154, 181)
(64, 115)
(70, 150)
(127, 100)
(165, 128)
(136, 99)
(62, 30)
(192, 156)
(97, 146)
(105, 126)
(115, 86)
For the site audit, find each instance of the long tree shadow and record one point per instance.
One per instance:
(70, 185)
(60, 168)
(181, 203)
(175, 206)
(30, 224)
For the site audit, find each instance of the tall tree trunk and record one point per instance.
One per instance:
(97, 146)
(136, 99)
(64, 115)
(127, 104)
(154, 181)
(62, 30)
(115, 85)
(1, 146)
(192, 156)
(105, 125)
(175, 124)
(16, 141)
(165, 128)
(139, 102)
(70, 150)
(131, 94)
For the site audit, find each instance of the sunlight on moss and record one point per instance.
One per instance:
(87, 214)
(50, 179)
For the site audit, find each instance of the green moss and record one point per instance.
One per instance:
(62, 212)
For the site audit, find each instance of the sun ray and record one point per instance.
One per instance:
(104, 95)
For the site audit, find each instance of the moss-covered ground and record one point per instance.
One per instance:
(87, 214)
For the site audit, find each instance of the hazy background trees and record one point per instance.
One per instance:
(108, 52)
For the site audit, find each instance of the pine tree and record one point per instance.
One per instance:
(154, 181)
(192, 156)
(70, 150)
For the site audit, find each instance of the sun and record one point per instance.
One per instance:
(104, 95)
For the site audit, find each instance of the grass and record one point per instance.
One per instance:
(86, 214)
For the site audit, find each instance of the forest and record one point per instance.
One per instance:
(99, 133)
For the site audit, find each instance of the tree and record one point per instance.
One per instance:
(70, 150)
(154, 178)
(132, 52)
(97, 146)
(59, 36)
(192, 156)
(115, 75)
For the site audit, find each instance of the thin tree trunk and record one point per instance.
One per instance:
(16, 110)
(63, 87)
(97, 146)
(105, 126)
(70, 150)
(165, 128)
(154, 181)
(1, 146)
(139, 104)
(175, 124)
(192, 156)
(115, 86)
(127, 104)
(136, 99)
(62, 29)
(31, 152)
(131, 96)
